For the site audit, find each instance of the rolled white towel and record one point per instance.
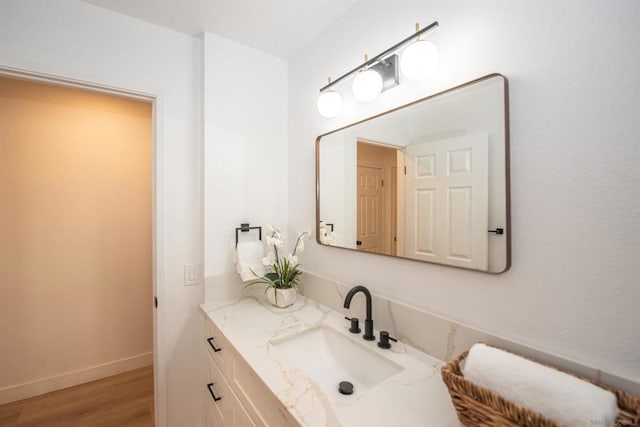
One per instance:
(249, 257)
(557, 396)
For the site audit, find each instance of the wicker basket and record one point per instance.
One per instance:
(477, 406)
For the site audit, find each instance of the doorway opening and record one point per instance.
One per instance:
(377, 198)
(76, 235)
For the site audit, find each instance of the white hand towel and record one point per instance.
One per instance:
(560, 397)
(249, 257)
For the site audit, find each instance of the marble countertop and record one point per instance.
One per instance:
(416, 396)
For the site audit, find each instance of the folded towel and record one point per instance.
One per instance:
(560, 397)
(249, 257)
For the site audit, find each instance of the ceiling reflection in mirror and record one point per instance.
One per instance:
(428, 181)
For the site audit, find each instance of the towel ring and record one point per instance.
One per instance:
(244, 227)
(328, 225)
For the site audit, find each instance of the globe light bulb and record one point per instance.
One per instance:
(367, 85)
(419, 60)
(329, 104)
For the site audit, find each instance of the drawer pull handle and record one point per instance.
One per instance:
(210, 341)
(215, 399)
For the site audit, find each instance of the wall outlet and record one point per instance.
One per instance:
(191, 276)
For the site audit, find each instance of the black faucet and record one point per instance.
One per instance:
(368, 322)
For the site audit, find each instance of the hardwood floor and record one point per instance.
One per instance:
(122, 400)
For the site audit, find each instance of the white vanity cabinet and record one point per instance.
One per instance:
(234, 396)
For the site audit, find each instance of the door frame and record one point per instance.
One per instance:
(158, 239)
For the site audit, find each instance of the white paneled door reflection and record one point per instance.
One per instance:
(447, 201)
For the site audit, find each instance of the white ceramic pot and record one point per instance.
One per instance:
(282, 297)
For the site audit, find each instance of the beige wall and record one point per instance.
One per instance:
(75, 232)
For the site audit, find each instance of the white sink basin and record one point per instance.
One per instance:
(329, 357)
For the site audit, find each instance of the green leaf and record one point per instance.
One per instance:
(271, 277)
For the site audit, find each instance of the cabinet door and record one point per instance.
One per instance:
(210, 419)
(261, 404)
(241, 417)
(219, 399)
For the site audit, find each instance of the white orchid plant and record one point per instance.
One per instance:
(283, 271)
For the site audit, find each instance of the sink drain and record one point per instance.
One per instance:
(345, 387)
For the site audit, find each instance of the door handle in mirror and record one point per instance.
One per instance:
(358, 242)
(215, 399)
(210, 341)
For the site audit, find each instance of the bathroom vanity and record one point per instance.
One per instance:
(277, 367)
(235, 396)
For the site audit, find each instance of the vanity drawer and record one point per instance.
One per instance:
(227, 411)
(218, 396)
(261, 404)
(218, 348)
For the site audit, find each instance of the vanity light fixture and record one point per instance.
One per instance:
(380, 73)
(329, 103)
(367, 84)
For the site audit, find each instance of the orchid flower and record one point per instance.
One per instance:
(269, 259)
(283, 271)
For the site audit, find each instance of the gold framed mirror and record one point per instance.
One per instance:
(427, 181)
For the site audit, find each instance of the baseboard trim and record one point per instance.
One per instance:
(69, 379)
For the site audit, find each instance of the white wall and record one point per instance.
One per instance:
(245, 146)
(573, 70)
(76, 40)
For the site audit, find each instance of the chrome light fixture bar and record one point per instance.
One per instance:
(380, 58)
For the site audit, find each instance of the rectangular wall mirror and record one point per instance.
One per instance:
(427, 181)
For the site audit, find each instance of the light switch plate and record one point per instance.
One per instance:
(191, 274)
